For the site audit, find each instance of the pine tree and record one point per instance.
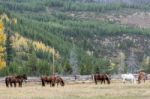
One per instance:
(9, 49)
(73, 61)
(32, 62)
(121, 64)
(132, 63)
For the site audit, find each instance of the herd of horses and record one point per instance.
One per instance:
(57, 80)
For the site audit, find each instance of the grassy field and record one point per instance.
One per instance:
(78, 91)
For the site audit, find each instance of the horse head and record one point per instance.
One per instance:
(24, 76)
(108, 78)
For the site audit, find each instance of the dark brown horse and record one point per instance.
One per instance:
(10, 80)
(102, 78)
(52, 80)
(142, 76)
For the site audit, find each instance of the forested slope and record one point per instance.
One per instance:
(90, 29)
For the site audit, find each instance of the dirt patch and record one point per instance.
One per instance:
(140, 19)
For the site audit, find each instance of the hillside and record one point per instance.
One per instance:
(95, 31)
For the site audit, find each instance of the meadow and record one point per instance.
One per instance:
(116, 90)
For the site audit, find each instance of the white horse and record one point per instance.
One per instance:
(128, 77)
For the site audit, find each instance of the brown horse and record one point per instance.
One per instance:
(52, 80)
(142, 76)
(102, 78)
(10, 80)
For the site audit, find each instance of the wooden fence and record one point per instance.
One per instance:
(73, 79)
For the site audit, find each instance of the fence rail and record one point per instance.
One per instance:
(79, 78)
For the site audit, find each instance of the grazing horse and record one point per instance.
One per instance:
(102, 78)
(14, 80)
(142, 76)
(128, 77)
(52, 80)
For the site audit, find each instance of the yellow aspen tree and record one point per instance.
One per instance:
(2, 47)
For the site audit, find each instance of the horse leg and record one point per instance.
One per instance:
(7, 82)
(57, 84)
(54, 84)
(95, 80)
(14, 84)
(104, 81)
(62, 83)
(135, 81)
(43, 83)
(124, 80)
(51, 83)
(10, 84)
(132, 81)
(139, 81)
(101, 81)
(20, 84)
(144, 80)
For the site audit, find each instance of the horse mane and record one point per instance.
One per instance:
(24, 76)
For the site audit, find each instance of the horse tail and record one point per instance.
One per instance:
(7, 82)
(43, 82)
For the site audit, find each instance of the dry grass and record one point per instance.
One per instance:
(81, 91)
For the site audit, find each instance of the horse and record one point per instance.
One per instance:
(128, 77)
(102, 78)
(52, 80)
(142, 76)
(10, 80)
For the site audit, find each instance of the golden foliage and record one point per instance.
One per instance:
(41, 46)
(1, 26)
(14, 21)
(2, 63)
(2, 38)
(4, 17)
(21, 43)
(2, 48)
